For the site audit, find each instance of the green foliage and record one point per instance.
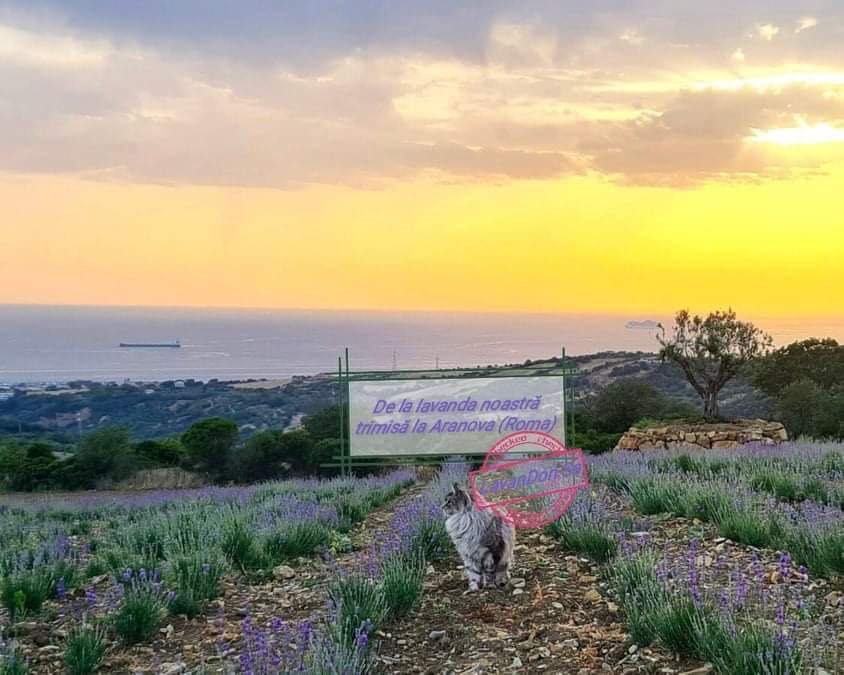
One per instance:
(296, 539)
(357, 599)
(820, 361)
(754, 650)
(196, 580)
(324, 425)
(621, 403)
(270, 454)
(593, 539)
(85, 650)
(654, 495)
(402, 581)
(240, 545)
(673, 621)
(139, 615)
(711, 351)
(595, 442)
(164, 452)
(24, 593)
(806, 409)
(105, 453)
(209, 443)
(639, 593)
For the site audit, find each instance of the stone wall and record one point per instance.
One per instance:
(704, 436)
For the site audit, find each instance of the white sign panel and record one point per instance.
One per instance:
(450, 416)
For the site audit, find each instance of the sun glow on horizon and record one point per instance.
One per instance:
(803, 135)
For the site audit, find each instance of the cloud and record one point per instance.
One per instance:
(507, 91)
(806, 23)
(703, 134)
(34, 49)
(632, 36)
(767, 31)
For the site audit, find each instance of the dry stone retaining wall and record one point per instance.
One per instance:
(705, 436)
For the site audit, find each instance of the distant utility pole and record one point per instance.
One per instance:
(437, 361)
(394, 360)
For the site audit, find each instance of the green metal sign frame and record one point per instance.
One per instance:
(345, 376)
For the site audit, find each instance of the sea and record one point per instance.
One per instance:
(57, 344)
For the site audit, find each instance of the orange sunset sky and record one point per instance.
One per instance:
(537, 156)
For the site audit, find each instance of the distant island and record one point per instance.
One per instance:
(647, 324)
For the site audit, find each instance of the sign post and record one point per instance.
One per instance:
(425, 416)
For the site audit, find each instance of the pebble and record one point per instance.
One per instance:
(436, 635)
(284, 572)
(557, 605)
(518, 591)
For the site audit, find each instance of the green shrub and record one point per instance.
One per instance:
(651, 496)
(25, 592)
(240, 545)
(357, 600)
(139, 615)
(196, 579)
(593, 539)
(298, 539)
(674, 621)
(746, 526)
(85, 650)
(402, 580)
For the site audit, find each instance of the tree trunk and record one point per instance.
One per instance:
(710, 404)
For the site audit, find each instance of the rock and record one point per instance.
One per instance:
(283, 572)
(571, 643)
(436, 635)
(834, 599)
(517, 582)
(592, 596)
(518, 591)
(171, 668)
(557, 605)
(723, 435)
(703, 670)
(40, 638)
(517, 662)
(632, 649)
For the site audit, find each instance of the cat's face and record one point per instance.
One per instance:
(456, 501)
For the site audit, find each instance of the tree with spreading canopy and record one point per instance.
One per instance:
(711, 351)
(209, 443)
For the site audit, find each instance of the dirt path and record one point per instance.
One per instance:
(554, 620)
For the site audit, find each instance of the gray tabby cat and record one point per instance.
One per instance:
(484, 541)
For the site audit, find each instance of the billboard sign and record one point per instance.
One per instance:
(451, 415)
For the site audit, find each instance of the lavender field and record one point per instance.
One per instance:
(673, 562)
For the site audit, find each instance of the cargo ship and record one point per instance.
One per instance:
(151, 345)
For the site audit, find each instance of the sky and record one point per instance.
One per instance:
(541, 155)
